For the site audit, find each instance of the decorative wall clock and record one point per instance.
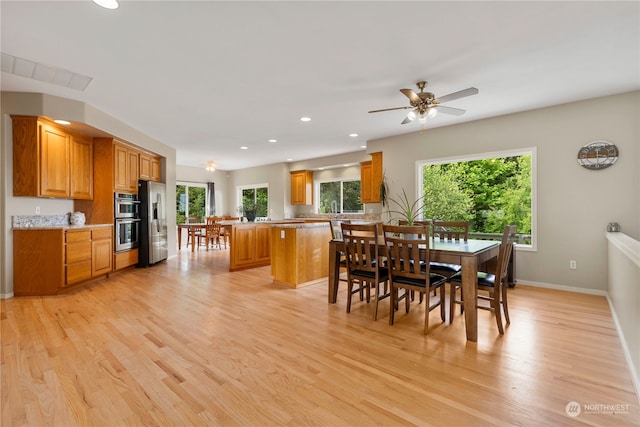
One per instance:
(598, 155)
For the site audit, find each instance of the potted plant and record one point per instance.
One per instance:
(250, 212)
(408, 212)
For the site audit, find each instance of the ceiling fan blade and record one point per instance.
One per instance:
(450, 110)
(456, 95)
(390, 109)
(411, 95)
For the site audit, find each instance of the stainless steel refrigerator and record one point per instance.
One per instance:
(153, 226)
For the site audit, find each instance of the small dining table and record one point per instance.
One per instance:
(192, 228)
(469, 255)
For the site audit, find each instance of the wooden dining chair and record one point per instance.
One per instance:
(193, 220)
(453, 231)
(407, 250)
(211, 233)
(495, 284)
(336, 234)
(364, 268)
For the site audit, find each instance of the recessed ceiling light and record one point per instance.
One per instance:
(244, 148)
(107, 4)
(353, 135)
(62, 122)
(363, 146)
(289, 160)
(305, 119)
(273, 140)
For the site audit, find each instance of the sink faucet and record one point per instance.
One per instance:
(334, 208)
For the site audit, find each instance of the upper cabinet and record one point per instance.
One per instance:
(149, 167)
(126, 168)
(49, 161)
(302, 187)
(371, 179)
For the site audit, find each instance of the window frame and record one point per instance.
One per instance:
(192, 184)
(341, 205)
(239, 190)
(532, 151)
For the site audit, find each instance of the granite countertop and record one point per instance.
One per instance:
(302, 225)
(61, 227)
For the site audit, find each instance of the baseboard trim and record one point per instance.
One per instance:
(562, 287)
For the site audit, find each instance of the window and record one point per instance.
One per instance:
(489, 190)
(190, 202)
(339, 197)
(255, 197)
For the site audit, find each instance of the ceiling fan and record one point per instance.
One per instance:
(425, 104)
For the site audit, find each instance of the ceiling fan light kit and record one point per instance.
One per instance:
(425, 105)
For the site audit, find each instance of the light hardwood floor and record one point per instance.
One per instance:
(187, 343)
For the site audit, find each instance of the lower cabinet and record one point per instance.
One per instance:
(250, 246)
(51, 261)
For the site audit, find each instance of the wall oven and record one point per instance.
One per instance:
(127, 233)
(126, 205)
(127, 221)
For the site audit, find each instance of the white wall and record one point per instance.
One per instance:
(33, 104)
(190, 174)
(276, 176)
(574, 204)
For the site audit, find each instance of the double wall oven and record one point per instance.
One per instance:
(127, 221)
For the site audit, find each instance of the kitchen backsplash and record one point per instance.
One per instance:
(25, 221)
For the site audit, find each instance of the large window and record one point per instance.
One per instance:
(339, 197)
(490, 191)
(190, 202)
(255, 198)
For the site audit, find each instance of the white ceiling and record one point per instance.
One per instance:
(207, 77)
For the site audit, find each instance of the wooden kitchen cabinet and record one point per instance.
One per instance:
(52, 261)
(49, 161)
(250, 245)
(149, 167)
(81, 153)
(371, 179)
(302, 187)
(126, 168)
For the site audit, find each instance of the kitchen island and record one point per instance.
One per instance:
(299, 252)
(250, 242)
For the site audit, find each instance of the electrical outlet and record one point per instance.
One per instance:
(282, 234)
(37, 210)
(572, 264)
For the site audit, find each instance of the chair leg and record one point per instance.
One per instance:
(495, 302)
(426, 312)
(376, 299)
(452, 301)
(442, 304)
(505, 305)
(349, 294)
(392, 303)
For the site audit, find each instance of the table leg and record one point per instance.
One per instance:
(334, 272)
(470, 296)
(179, 237)
(192, 232)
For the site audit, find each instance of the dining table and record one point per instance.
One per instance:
(192, 229)
(469, 254)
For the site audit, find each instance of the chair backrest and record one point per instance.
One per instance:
(407, 251)
(213, 227)
(451, 230)
(194, 220)
(336, 227)
(506, 247)
(361, 247)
